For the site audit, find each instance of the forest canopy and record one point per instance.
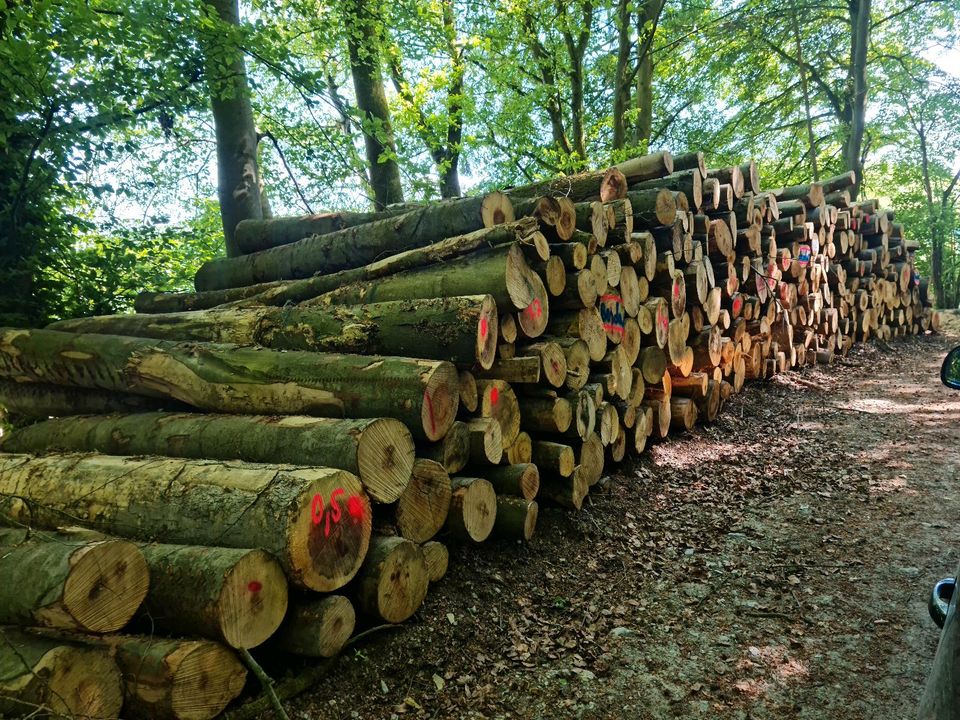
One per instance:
(109, 123)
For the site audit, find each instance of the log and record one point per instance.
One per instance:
(683, 414)
(690, 161)
(226, 378)
(499, 402)
(501, 272)
(545, 414)
(56, 678)
(689, 182)
(603, 185)
(422, 508)
(652, 363)
(283, 292)
(253, 236)
(486, 441)
(647, 167)
(520, 480)
(39, 401)
(520, 451)
(393, 581)
(316, 521)
(379, 451)
(516, 519)
(552, 360)
(317, 628)
(553, 458)
(348, 248)
(473, 509)
(590, 459)
(173, 679)
(438, 558)
(462, 330)
(567, 492)
(452, 452)
(52, 581)
(235, 596)
(469, 397)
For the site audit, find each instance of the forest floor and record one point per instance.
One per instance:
(773, 565)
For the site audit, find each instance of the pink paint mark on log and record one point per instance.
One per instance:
(254, 586)
(483, 328)
(534, 309)
(676, 290)
(494, 396)
(355, 507)
(316, 509)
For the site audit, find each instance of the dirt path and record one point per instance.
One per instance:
(773, 565)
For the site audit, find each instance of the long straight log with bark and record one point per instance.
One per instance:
(227, 378)
(282, 292)
(459, 329)
(379, 451)
(255, 235)
(348, 248)
(316, 521)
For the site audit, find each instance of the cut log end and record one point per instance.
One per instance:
(253, 600)
(385, 454)
(441, 398)
(205, 677)
(394, 580)
(496, 209)
(487, 333)
(319, 628)
(107, 583)
(473, 509)
(423, 507)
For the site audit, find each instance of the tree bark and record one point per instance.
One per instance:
(349, 248)
(364, 38)
(238, 175)
(51, 581)
(856, 96)
(37, 401)
(462, 330)
(316, 521)
(40, 672)
(379, 451)
(225, 378)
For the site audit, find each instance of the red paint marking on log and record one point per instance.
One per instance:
(254, 586)
(534, 309)
(611, 298)
(429, 402)
(483, 328)
(334, 505)
(355, 507)
(315, 514)
(494, 396)
(610, 327)
(676, 290)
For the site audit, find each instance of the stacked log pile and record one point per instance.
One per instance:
(285, 452)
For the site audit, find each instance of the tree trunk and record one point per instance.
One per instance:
(173, 679)
(622, 74)
(351, 247)
(393, 581)
(50, 581)
(225, 378)
(459, 329)
(856, 99)
(62, 677)
(316, 521)
(603, 185)
(364, 40)
(317, 628)
(238, 175)
(380, 451)
(520, 480)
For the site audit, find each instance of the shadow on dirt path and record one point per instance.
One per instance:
(773, 565)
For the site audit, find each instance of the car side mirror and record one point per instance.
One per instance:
(950, 370)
